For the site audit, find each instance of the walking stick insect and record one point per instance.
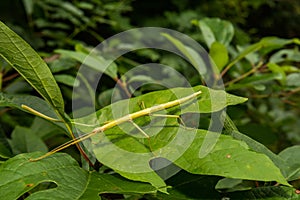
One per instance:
(126, 118)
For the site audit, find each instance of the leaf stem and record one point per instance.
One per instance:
(1, 76)
(253, 70)
(37, 113)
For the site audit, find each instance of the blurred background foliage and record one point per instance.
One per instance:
(271, 116)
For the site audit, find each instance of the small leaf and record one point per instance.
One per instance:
(291, 157)
(113, 184)
(4, 151)
(23, 140)
(270, 44)
(16, 101)
(193, 56)
(29, 64)
(67, 80)
(36, 103)
(266, 192)
(186, 186)
(286, 55)
(93, 61)
(256, 81)
(219, 54)
(215, 29)
(231, 185)
(293, 80)
(248, 50)
(279, 70)
(62, 64)
(141, 78)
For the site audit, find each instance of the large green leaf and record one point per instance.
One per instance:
(205, 104)
(124, 149)
(229, 158)
(231, 129)
(29, 64)
(19, 175)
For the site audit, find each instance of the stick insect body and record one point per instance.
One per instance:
(126, 118)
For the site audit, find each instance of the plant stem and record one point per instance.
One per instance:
(253, 70)
(1, 76)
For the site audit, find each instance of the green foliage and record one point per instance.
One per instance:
(248, 160)
(29, 64)
(19, 175)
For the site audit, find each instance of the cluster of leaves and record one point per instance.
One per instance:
(238, 167)
(52, 24)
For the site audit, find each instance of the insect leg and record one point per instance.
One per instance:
(142, 105)
(170, 116)
(143, 132)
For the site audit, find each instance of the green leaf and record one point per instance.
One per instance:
(19, 175)
(4, 151)
(113, 184)
(229, 158)
(270, 44)
(16, 100)
(36, 103)
(67, 80)
(62, 64)
(124, 149)
(23, 140)
(293, 79)
(193, 57)
(248, 50)
(29, 64)
(263, 193)
(286, 55)
(291, 156)
(210, 100)
(93, 61)
(186, 186)
(219, 54)
(255, 80)
(46, 129)
(278, 70)
(231, 185)
(28, 5)
(265, 45)
(231, 129)
(215, 29)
